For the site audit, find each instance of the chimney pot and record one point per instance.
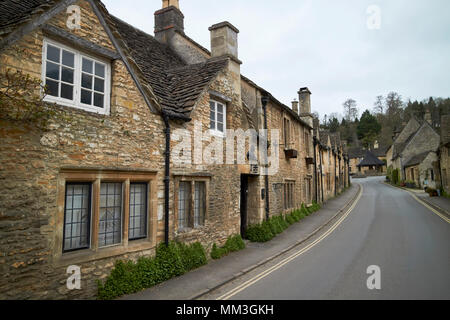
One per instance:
(295, 106)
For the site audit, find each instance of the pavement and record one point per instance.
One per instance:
(217, 273)
(389, 238)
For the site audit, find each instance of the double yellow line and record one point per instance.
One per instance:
(430, 208)
(274, 268)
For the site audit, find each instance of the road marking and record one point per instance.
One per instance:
(423, 203)
(274, 268)
(430, 208)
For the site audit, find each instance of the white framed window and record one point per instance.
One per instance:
(75, 79)
(218, 117)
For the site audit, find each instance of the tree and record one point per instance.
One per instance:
(368, 129)
(350, 110)
(394, 104)
(379, 105)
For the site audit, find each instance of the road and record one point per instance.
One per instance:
(387, 228)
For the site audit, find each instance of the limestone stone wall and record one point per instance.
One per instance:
(445, 168)
(130, 138)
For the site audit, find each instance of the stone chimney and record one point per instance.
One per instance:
(224, 43)
(168, 20)
(295, 106)
(305, 105)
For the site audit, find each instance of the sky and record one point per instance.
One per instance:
(343, 49)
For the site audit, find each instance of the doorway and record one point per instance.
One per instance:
(244, 205)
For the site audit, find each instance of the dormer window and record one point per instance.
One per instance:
(218, 117)
(75, 79)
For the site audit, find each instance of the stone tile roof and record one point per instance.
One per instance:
(17, 12)
(417, 159)
(176, 84)
(357, 152)
(370, 160)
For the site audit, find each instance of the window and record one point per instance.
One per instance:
(184, 204)
(110, 228)
(307, 141)
(289, 201)
(75, 79)
(138, 211)
(110, 209)
(287, 133)
(191, 204)
(77, 217)
(218, 117)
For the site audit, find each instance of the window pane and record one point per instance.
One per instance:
(220, 127)
(86, 97)
(87, 65)
(86, 81)
(68, 59)
(77, 217)
(52, 88)
(53, 53)
(52, 71)
(100, 70)
(220, 117)
(99, 85)
(219, 108)
(184, 201)
(110, 214)
(98, 100)
(138, 211)
(67, 75)
(66, 91)
(200, 204)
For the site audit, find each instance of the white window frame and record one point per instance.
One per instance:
(76, 102)
(214, 131)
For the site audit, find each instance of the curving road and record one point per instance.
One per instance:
(387, 228)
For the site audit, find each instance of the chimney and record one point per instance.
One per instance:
(305, 105)
(168, 3)
(168, 20)
(224, 40)
(224, 43)
(295, 106)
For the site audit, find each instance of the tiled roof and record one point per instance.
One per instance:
(176, 84)
(370, 160)
(417, 159)
(354, 153)
(16, 12)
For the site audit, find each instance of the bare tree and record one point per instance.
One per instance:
(379, 105)
(350, 110)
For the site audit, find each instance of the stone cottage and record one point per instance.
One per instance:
(444, 154)
(414, 153)
(137, 150)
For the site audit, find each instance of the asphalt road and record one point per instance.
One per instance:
(387, 228)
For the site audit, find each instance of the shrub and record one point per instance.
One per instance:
(233, 244)
(170, 261)
(289, 219)
(275, 225)
(260, 232)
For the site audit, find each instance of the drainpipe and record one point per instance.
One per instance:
(265, 101)
(166, 179)
(335, 177)
(316, 197)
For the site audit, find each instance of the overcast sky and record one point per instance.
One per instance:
(325, 45)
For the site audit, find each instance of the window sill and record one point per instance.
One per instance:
(89, 255)
(69, 104)
(218, 134)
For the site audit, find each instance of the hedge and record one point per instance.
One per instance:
(267, 230)
(233, 244)
(170, 261)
